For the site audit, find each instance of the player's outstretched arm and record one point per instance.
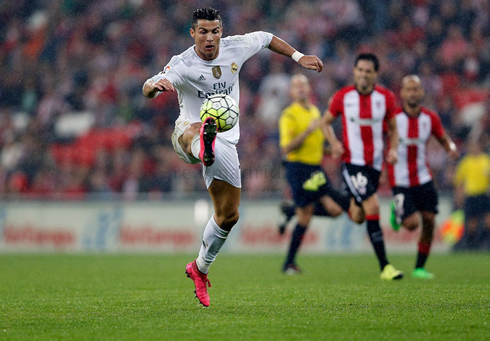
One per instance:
(151, 88)
(449, 146)
(278, 45)
(298, 140)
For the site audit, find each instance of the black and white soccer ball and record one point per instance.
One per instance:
(223, 109)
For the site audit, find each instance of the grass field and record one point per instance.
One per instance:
(338, 297)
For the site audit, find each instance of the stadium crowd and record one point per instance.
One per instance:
(85, 61)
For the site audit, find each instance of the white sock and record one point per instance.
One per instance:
(196, 146)
(213, 239)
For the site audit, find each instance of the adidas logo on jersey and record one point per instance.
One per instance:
(202, 78)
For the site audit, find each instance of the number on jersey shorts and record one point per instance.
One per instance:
(409, 200)
(362, 181)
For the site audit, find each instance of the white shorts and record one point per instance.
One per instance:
(226, 165)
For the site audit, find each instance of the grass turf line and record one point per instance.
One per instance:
(148, 297)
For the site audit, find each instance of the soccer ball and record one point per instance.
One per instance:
(223, 109)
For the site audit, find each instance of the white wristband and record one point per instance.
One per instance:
(297, 56)
(452, 146)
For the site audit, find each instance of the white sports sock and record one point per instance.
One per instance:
(196, 145)
(213, 239)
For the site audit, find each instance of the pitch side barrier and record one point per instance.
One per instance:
(175, 226)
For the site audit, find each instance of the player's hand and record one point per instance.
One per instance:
(392, 156)
(454, 154)
(311, 63)
(161, 85)
(337, 150)
(313, 125)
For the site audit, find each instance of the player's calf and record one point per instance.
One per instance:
(188, 136)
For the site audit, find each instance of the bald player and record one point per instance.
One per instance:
(301, 141)
(415, 196)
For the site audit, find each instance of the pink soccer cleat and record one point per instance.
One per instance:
(201, 283)
(208, 132)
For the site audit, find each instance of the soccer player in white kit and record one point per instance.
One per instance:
(209, 67)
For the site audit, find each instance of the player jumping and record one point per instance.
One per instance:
(210, 66)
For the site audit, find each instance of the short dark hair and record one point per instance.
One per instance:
(370, 58)
(207, 13)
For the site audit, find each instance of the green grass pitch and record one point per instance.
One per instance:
(148, 297)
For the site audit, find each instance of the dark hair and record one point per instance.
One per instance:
(370, 58)
(207, 13)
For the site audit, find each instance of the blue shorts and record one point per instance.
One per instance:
(476, 206)
(297, 174)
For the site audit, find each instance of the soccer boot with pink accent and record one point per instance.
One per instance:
(201, 282)
(208, 132)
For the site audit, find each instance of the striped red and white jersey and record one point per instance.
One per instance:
(412, 168)
(362, 119)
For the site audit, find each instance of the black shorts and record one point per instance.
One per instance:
(476, 206)
(297, 174)
(361, 181)
(409, 200)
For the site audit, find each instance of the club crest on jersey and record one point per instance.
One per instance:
(234, 67)
(165, 70)
(216, 72)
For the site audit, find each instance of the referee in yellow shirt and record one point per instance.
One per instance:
(473, 179)
(302, 144)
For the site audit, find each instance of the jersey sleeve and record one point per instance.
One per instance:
(174, 71)
(255, 42)
(437, 128)
(390, 106)
(287, 129)
(335, 106)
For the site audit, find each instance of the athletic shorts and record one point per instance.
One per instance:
(476, 206)
(361, 181)
(409, 200)
(297, 174)
(226, 165)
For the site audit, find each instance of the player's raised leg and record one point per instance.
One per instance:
(226, 199)
(198, 140)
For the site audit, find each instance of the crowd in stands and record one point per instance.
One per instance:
(63, 60)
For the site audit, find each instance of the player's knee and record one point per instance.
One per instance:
(411, 226)
(186, 139)
(358, 217)
(371, 206)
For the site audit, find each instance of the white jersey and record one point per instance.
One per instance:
(195, 78)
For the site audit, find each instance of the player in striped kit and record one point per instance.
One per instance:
(364, 107)
(415, 196)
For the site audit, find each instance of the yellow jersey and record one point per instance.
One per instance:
(473, 172)
(294, 120)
